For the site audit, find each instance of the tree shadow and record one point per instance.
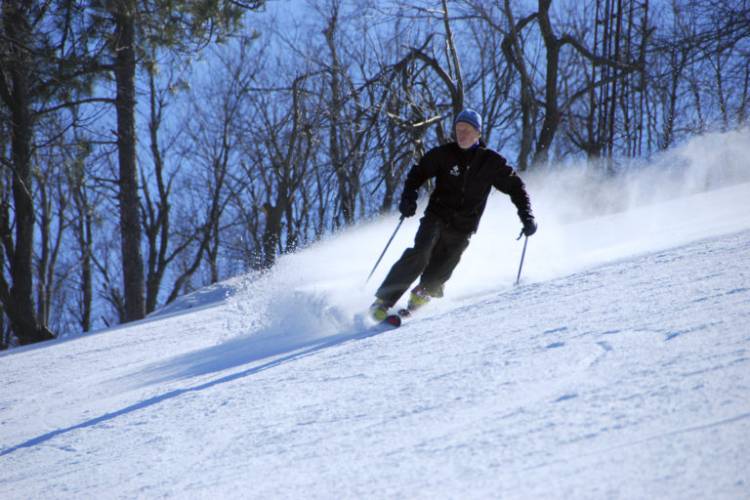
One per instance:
(217, 358)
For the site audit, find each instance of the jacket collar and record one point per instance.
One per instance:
(479, 144)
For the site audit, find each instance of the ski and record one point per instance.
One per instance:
(396, 319)
(392, 320)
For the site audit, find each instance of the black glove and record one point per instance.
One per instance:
(529, 225)
(408, 204)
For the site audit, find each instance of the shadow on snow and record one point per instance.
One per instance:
(221, 357)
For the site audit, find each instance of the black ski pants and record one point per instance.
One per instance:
(436, 252)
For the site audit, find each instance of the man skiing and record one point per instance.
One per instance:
(465, 172)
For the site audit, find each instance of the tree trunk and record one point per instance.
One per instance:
(513, 51)
(87, 288)
(551, 109)
(18, 298)
(130, 223)
(82, 228)
(158, 218)
(346, 195)
(43, 263)
(271, 234)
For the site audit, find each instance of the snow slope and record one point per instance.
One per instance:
(620, 368)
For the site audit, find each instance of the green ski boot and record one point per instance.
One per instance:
(379, 310)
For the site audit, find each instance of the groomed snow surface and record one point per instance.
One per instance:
(619, 368)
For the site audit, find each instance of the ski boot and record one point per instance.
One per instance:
(418, 298)
(379, 310)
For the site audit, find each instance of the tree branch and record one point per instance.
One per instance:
(71, 104)
(602, 61)
(249, 5)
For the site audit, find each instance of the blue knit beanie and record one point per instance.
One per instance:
(471, 117)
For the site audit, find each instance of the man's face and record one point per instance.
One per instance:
(466, 135)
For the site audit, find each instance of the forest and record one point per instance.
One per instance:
(152, 147)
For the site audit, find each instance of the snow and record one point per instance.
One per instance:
(619, 368)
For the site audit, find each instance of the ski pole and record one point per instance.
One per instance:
(400, 221)
(523, 254)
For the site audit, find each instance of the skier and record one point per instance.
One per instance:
(464, 172)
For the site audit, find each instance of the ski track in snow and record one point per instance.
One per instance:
(620, 368)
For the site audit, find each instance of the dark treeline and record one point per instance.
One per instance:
(150, 147)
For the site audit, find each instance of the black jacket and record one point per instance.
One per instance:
(463, 181)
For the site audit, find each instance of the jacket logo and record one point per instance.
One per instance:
(455, 171)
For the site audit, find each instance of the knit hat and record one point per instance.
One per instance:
(471, 117)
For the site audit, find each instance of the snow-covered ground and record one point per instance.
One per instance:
(619, 368)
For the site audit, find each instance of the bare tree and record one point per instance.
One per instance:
(281, 161)
(82, 221)
(514, 52)
(165, 246)
(53, 204)
(345, 132)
